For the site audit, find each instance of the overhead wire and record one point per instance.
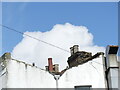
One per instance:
(45, 43)
(94, 67)
(34, 38)
(98, 63)
(9, 28)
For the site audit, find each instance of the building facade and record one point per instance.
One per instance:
(101, 72)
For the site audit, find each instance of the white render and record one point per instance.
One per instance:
(84, 74)
(21, 75)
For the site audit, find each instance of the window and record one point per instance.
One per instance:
(85, 87)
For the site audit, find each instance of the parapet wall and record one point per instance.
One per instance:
(21, 75)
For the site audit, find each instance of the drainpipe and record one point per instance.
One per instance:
(56, 77)
(104, 69)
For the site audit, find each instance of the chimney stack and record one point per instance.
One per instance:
(74, 49)
(50, 64)
(6, 56)
(112, 66)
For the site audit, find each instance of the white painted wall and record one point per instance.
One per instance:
(21, 75)
(84, 75)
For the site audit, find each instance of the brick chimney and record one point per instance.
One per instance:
(50, 65)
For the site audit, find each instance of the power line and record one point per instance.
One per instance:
(94, 67)
(98, 63)
(34, 38)
(40, 40)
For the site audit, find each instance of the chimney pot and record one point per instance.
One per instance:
(50, 64)
(75, 48)
(71, 50)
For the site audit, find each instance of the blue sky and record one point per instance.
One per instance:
(101, 18)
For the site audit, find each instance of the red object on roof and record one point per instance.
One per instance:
(50, 64)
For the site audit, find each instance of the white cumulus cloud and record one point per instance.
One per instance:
(62, 35)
